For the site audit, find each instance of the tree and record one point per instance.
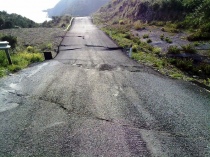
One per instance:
(8, 24)
(1, 23)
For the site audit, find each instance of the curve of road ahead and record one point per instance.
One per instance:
(94, 101)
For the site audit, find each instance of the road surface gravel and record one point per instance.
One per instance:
(92, 100)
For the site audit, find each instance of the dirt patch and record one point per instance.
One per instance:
(155, 33)
(178, 39)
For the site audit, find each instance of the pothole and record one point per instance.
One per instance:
(104, 67)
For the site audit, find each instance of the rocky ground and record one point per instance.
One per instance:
(179, 39)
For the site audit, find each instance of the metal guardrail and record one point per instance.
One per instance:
(4, 46)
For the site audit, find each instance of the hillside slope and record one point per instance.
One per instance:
(194, 13)
(15, 20)
(76, 7)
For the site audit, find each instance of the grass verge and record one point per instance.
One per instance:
(20, 60)
(149, 55)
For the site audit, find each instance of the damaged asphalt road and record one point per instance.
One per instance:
(91, 101)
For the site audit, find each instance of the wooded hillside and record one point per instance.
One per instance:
(15, 21)
(76, 7)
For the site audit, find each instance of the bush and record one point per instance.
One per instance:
(11, 39)
(149, 40)
(135, 48)
(145, 36)
(20, 61)
(30, 49)
(31, 57)
(121, 22)
(184, 64)
(188, 49)
(14, 68)
(196, 43)
(174, 50)
(127, 36)
(146, 46)
(168, 40)
(156, 50)
(162, 37)
(205, 27)
(199, 35)
(138, 25)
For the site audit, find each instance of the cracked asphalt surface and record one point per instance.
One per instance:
(92, 100)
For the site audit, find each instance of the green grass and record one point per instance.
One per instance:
(145, 36)
(138, 25)
(20, 60)
(149, 55)
(162, 37)
(177, 76)
(189, 49)
(174, 50)
(168, 40)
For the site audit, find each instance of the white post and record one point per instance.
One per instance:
(130, 52)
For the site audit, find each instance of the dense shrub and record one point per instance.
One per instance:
(135, 48)
(8, 21)
(11, 39)
(188, 48)
(138, 25)
(174, 50)
(199, 35)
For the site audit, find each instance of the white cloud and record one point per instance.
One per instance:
(29, 8)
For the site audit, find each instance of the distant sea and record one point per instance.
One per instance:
(39, 16)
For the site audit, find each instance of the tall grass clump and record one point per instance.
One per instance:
(188, 49)
(138, 25)
(174, 50)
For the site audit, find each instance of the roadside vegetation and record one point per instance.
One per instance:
(28, 44)
(57, 22)
(8, 21)
(20, 60)
(180, 62)
(144, 52)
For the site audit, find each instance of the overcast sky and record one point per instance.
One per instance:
(31, 9)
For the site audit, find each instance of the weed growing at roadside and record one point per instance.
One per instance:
(20, 60)
(174, 50)
(188, 49)
(199, 35)
(156, 50)
(121, 22)
(149, 40)
(145, 36)
(162, 37)
(176, 76)
(196, 43)
(168, 40)
(135, 48)
(46, 46)
(30, 49)
(138, 25)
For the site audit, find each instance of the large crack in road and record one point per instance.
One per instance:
(92, 100)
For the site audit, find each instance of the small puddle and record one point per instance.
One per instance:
(8, 106)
